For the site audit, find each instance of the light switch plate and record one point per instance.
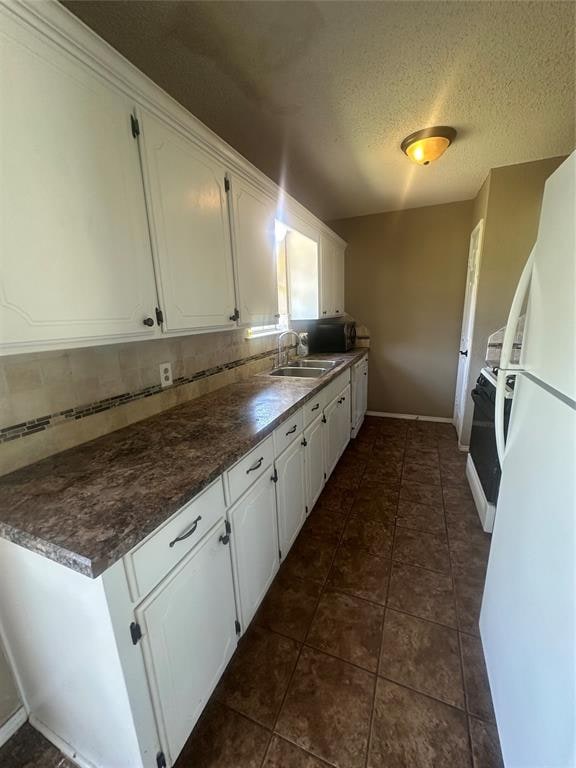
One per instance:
(165, 374)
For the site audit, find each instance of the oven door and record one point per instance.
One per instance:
(483, 438)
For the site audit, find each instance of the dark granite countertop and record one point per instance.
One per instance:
(88, 506)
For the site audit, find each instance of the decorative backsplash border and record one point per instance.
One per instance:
(41, 423)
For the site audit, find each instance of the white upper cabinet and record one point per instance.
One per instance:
(315, 276)
(188, 211)
(302, 262)
(253, 219)
(327, 277)
(75, 261)
(338, 280)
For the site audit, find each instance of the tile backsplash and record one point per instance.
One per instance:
(50, 401)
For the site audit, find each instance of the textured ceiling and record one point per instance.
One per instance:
(319, 95)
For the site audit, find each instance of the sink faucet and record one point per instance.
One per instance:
(280, 353)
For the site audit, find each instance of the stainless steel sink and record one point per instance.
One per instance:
(299, 372)
(304, 369)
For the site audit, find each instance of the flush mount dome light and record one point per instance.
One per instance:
(424, 146)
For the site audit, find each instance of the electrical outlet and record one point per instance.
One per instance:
(165, 374)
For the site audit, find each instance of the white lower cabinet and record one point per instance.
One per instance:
(337, 432)
(188, 623)
(254, 544)
(314, 461)
(291, 493)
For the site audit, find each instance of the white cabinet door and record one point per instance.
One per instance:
(291, 494)
(332, 435)
(75, 259)
(314, 461)
(364, 388)
(339, 280)
(188, 212)
(255, 544)
(253, 217)
(327, 277)
(344, 416)
(189, 635)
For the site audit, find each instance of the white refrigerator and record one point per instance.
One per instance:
(528, 617)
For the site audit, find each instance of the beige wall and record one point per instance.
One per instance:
(509, 201)
(405, 280)
(45, 383)
(9, 699)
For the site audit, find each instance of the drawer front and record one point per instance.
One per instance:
(314, 407)
(288, 431)
(159, 553)
(335, 387)
(249, 468)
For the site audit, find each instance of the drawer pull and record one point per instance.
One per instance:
(256, 466)
(315, 407)
(291, 431)
(188, 533)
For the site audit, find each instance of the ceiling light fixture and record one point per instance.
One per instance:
(429, 144)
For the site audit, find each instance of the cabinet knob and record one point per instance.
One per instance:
(148, 321)
(225, 538)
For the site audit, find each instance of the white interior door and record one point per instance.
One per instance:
(188, 209)
(474, 255)
(189, 636)
(528, 616)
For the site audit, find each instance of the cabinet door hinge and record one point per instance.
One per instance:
(159, 316)
(135, 126)
(323, 419)
(306, 510)
(236, 315)
(238, 627)
(161, 760)
(228, 527)
(226, 184)
(280, 554)
(274, 477)
(324, 475)
(135, 632)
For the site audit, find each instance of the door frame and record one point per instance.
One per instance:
(468, 315)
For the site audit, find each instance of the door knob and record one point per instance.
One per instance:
(148, 321)
(465, 353)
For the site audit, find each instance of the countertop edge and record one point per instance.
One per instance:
(92, 567)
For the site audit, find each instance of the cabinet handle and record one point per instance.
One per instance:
(225, 538)
(255, 466)
(188, 533)
(304, 442)
(291, 431)
(316, 407)
(148, 321)
(323, 419)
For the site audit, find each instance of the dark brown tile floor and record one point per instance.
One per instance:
(365, 652)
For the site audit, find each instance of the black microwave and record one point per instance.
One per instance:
(336, 336)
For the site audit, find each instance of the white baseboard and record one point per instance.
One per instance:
(412, 416)
(12, 725)
(60, 744)
(486, 510)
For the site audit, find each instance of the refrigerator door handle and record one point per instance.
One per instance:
(506, 353)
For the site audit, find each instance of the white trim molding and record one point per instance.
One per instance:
(486, 510)
(411, 416)
(13, 724)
